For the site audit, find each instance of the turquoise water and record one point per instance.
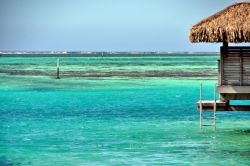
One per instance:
(114, 111)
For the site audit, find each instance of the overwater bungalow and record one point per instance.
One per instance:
(231, 25)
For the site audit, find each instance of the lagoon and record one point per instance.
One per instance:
(126, 110)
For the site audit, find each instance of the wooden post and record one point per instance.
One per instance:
(215, 106)
(241, 68)
(222, 52)
(201, 106)
(219, 72)
(225, 44)
(58, 69)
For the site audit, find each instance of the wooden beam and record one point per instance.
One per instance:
(234, 89)
(221, 74)
(241, 69)
(207, 105)
(58, 69)
(239, 108)
(238, 96)
(225, 44)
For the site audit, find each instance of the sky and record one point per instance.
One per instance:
(104, 25)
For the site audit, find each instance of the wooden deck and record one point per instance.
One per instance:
(208, 105)
(229, 92)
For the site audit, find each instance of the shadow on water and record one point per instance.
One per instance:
(231, 142)
(5, 162)
(240, 132)
(243, 153)
(247, 131)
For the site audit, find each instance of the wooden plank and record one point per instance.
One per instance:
(234, 72)
(234, 89)
(239, 108)
(211, 103)
(228, 108)
(239, 47)
(237, 50)
(241, 70)
(222, 55)
(231, 64)
(233, 58)
(232, 76)
(232, 80)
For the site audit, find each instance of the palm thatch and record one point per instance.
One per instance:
(230, 25)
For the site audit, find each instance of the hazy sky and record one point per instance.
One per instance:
(103, 25)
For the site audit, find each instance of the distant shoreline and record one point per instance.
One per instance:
(102, 54)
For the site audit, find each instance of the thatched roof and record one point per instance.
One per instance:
(230, 25)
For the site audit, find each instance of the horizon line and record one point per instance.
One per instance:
(100, 52)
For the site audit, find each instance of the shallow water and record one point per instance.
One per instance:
(114, 119)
